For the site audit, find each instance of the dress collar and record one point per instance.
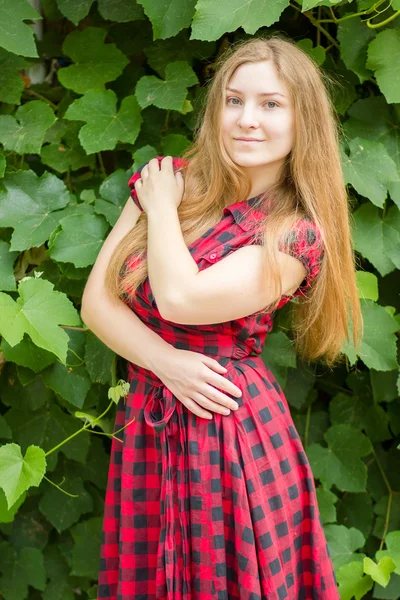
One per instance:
(245, 213)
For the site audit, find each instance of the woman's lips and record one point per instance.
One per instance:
(248, 141)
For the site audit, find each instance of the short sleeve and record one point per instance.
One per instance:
(305, 243)
(177, 164)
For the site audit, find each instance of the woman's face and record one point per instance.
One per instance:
(259, 109)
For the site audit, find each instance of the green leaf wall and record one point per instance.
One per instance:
(89, 91)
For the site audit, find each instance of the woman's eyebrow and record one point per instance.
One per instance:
(260, 94)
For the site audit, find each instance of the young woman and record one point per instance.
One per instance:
(210, 493)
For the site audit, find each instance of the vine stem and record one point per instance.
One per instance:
(37, 95)
(307, 427)
(389, 506)
(74, 328)
(84, 428)
(101, 164)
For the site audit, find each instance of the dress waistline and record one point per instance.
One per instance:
(161, 403)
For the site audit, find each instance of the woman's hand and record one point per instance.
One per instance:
(194, 380)
(159, 186)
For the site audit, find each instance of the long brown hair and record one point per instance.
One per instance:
(311, 185)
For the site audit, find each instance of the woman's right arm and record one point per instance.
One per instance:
(110, 319)
(114, 323)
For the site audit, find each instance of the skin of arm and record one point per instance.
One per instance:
(114, 323)
(233, 288)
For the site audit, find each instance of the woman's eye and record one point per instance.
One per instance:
(235, 104)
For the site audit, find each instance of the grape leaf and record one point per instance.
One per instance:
(340, 464)
(64, 514)
(31, 205)
(64, 150)
(105, 127)
(74, 10)
(20, 570)
(98, 358)
(213, 19)
(120, 11)
(25, 133)
(354, 38)
(37, 298)
(95, 62)
(378, 346)
(7, 258)
(16, 36)
(11, 82)
(70, 384)
(378, 239)
(352, 581)
(384, 59)
(169, 93)
(47, 427)
(343, 542)
(27, 354)
(79, 239)
(18, 473)
(85, 554)
(392, 541)
(369, 169)
(169, 17)
(380, 572)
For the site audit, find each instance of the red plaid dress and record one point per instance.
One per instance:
(221, 509)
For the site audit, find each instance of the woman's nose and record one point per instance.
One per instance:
(248, 118)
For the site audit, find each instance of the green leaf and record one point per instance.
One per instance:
(18, 473)
(356, 509)
(71, 384)
(61, 510)
(170, 17)
(37, 298)
(384, 58)
(7, 259)
(115, 193)
(169, 93)
(392, 541)
(340, 464)
(75, 10)
(360, 413)
(380, 572)
(213, 19)
(48, 427)
(79, 239)
(27, 354)
(104, 126)
(7, 515)
(378, 346)
(86, 552)
(373, 236)
(96, 63)
(174, 144)
(373, 119)
(120, 10)
(64, 150)
(352, 581)
(11, 82)
(25, 133)
(369, 169)
(343, 543)
(367, 284)
(31, 205)
(17, 36)
(20, 570)
(99, 359)
(354, 38)
(326, 504)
